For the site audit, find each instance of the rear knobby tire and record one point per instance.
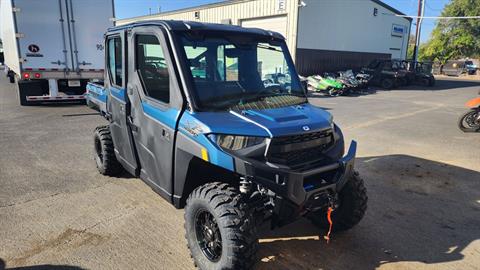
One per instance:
(233, 223)
(107, 163)
(352, 207)
(387, 84)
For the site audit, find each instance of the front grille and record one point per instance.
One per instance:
(301, 137)
(301, 151)
(301, 160)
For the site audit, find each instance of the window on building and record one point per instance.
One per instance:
(115, 63)
(152, 68)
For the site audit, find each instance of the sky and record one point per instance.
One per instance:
(410, 7)
(132, 8)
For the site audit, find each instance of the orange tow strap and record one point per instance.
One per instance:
(329, 218)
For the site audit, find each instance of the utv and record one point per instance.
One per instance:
(419, 73)
(195, 112)
(386, 73)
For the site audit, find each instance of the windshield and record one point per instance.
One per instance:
(396, 65)
(241, 72)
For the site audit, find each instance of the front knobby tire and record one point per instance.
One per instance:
(220, 228)
(467, 122)
(107, 163)
(352, 207)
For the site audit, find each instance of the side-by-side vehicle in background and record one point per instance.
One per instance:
(54, 47)
(419, 73)
(214, 118)
(386, 73)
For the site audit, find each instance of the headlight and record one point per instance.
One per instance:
(235, 143)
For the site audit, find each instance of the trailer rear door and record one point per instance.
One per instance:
(43, 32)
(89, 19)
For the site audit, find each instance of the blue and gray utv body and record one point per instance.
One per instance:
(296, 150)
(214, 118)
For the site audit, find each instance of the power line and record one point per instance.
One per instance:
(438, 17)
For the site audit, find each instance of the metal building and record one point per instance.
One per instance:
(322, 35)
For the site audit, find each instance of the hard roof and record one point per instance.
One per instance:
(175, 25)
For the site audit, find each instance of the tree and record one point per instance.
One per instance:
(454, 38)
(411, 46)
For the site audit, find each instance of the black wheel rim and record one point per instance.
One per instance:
(208, 235)
(98, 149)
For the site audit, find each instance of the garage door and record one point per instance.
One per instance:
(277, 24)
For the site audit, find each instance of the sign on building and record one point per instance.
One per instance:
(281, 5)
(398, 30)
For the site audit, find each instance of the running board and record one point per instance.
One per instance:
(49, 98)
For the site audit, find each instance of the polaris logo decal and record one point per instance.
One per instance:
(306, 128)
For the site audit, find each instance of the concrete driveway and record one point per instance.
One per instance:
(421, 172)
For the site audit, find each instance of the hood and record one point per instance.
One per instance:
(288, 120)
(284, 121)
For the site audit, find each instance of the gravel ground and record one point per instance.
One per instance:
(421, 172)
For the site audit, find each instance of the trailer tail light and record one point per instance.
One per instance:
(26, 76)
(37, 75)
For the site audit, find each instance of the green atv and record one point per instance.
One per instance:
(326, 85)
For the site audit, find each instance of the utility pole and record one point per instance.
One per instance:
(421, 12)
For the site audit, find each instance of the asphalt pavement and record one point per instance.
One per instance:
(421, 172)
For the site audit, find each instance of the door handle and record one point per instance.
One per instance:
(131, 124)
(166, 134)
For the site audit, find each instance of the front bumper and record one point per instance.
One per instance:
(300, 188)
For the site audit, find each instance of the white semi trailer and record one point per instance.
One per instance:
(54, 47)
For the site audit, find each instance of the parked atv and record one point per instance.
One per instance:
(386, 73)
(326, 85)
(205, 119)
(470, 120)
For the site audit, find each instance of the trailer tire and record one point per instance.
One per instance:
(107, 163)
(352, 208)
(220, 228)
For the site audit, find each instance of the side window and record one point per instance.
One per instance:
(115, 63)
(152, 68)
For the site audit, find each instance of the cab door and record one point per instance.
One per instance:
(156, 105)
(118, 103)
